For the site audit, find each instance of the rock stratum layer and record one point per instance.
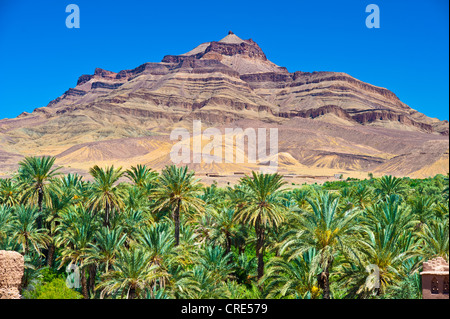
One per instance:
(11, 273)
(327, 121)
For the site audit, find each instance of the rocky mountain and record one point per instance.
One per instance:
(328, 122)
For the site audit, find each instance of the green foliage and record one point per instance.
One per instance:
(165, 235)
(55, 289)
(49, 274)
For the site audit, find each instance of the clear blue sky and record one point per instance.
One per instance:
(40, 58)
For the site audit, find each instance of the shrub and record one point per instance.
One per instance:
(56, 289)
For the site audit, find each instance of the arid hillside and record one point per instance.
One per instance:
(328, 123)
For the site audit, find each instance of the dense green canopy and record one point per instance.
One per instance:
(143, 234)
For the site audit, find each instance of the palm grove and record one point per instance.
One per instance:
(137, 233)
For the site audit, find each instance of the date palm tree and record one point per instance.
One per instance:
(326, 229)
(207, 283)
(132, 274)
(347, 198)
(391, 212)
(181, 283)
(217, 261)
(131, 220)
(157, 240)
(102, 252)
(106, 195)
(9, 192)
(385, 249)
(422, 207)
(238, 195)
(293, 278)
(35, 174)
(441, 211)
(435, 239)
(262, 209)
(71, 185)
(25, 231)
(106, 247)
(363, 195)
(212, 194)
(58, 203)
(445, 191)
(141, 175)
(76, 232)
(136, 198)
(178, 190)
(300, 197)
(390, 185)
(223, 228)
(5, 219)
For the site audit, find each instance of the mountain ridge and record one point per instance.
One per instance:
(220, 82)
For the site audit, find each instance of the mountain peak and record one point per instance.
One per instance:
(231, 38)
(243, 56)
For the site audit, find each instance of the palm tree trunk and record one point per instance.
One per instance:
(326, 285)
(378, 290)
(106, 223)
(228, 249)
(50, 255)
(132, 294)
(260, 265)
(176, 217)
(325, 277)
(40, 200)
(92, 274)
(84, 285)
(25, 246)
(260, 248)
